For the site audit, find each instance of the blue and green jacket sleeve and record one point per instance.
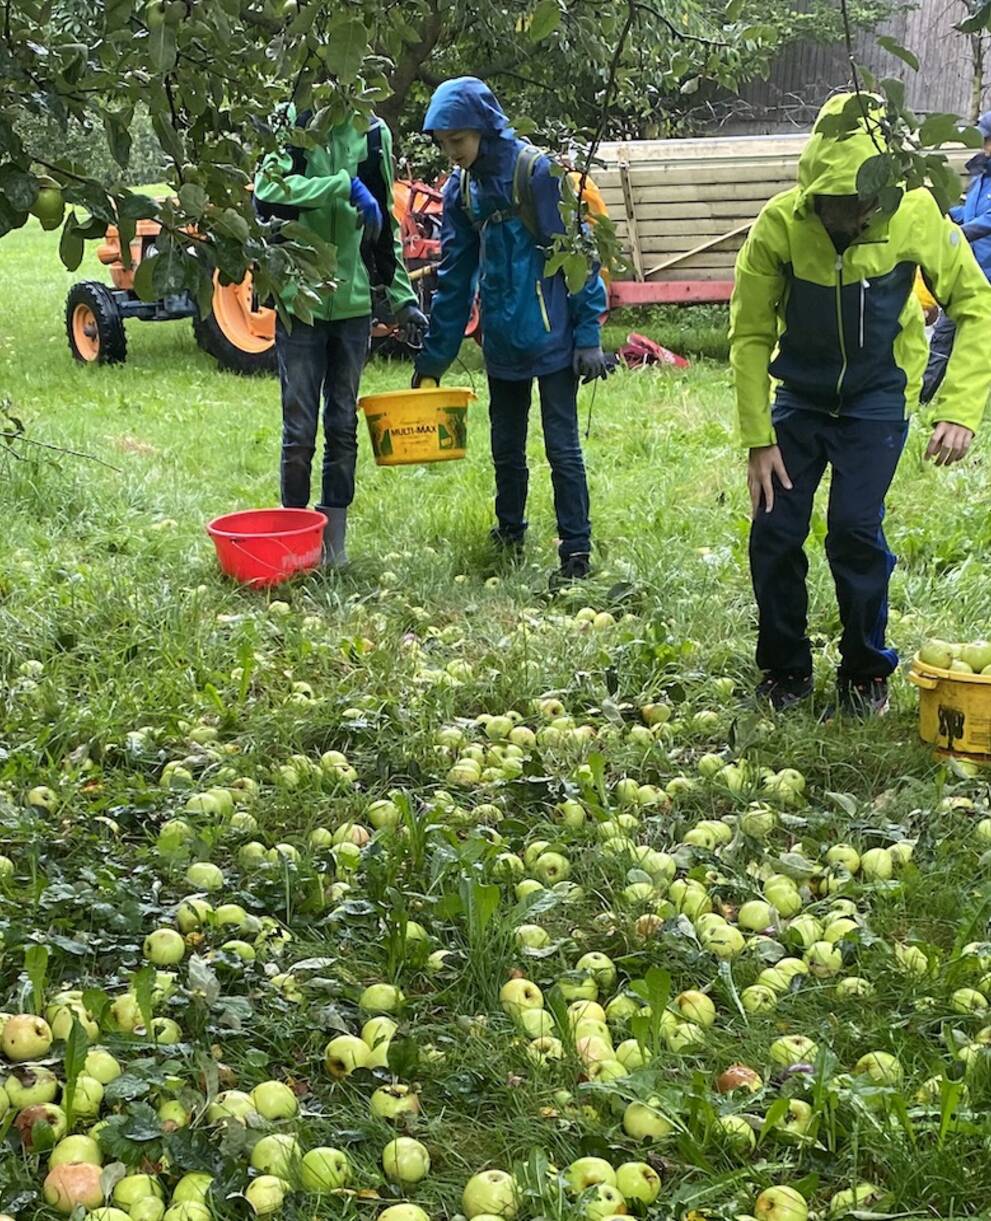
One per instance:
(457, 280)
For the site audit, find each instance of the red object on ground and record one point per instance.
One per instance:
(639, 351)
(670, 292)
(264, 547)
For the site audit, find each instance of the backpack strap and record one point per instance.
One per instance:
(523, 200)
(523, 204)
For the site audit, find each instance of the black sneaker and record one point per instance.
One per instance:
(573, 568)
(784, 691)
(862, 697)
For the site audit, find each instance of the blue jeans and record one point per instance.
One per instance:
(318, 364)
(864, 455)
(509, 409)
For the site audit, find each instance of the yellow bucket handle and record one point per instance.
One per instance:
(923, 681)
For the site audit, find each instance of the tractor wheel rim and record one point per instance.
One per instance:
(85, 332)
(245, 324)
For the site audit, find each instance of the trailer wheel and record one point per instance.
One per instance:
(93, 325)
(238, 333)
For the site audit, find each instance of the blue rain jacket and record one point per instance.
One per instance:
(531, 324)
(974, 214)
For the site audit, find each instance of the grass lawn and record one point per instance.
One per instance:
(132, 676)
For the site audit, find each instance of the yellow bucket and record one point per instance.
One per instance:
(954, 710)
(424, 425)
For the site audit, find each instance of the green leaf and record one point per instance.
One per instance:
(576, 269)
(193, 198)
(162, 47)
(939, 129)
(900, 52)
(874, 175)
(144, 278)
(346, 49)
(775, 1113)
(76, 1048)
(168, 137)
(977, 21)
(36, 956)
(143, 986)
(545, 20)
(71, 244)
(480, 901)
(733, 11)
(116, 124)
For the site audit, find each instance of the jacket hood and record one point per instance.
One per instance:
(829, 163)
(465, 102)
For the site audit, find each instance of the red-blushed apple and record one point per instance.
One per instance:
(46, 1114)
(739, 1077)
(73, 1184)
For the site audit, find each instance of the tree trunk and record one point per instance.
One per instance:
(978, 52)
(408, 68)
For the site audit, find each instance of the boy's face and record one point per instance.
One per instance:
(845, 216)
(460, 146)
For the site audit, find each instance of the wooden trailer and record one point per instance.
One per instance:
(683, 208)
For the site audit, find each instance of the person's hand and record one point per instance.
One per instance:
(369, 212)
(949, 443)
(413, 324)
(423, 381)
(764, 465)
(590, 363)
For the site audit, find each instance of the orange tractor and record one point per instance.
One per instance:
(239, 332)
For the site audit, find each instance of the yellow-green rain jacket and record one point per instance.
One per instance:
(844, 333)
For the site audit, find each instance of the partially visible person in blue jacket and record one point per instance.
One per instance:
(532, 327)
(974, 217)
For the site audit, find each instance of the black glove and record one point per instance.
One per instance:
(413, 324)
(424, 380)
(590, 364)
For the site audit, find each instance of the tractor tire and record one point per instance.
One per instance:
(238, 332)
(93, 325)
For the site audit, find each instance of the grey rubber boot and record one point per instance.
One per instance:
(334, 551)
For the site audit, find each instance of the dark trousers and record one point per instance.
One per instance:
(940, 347)
(863, 455)
(320, 365)
(508, 412)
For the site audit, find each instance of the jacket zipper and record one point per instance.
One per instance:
(839, 325)
(543, 306)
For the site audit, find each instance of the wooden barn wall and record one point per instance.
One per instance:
(808, 72)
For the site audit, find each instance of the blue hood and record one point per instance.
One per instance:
(468, 103)
(465, 102)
